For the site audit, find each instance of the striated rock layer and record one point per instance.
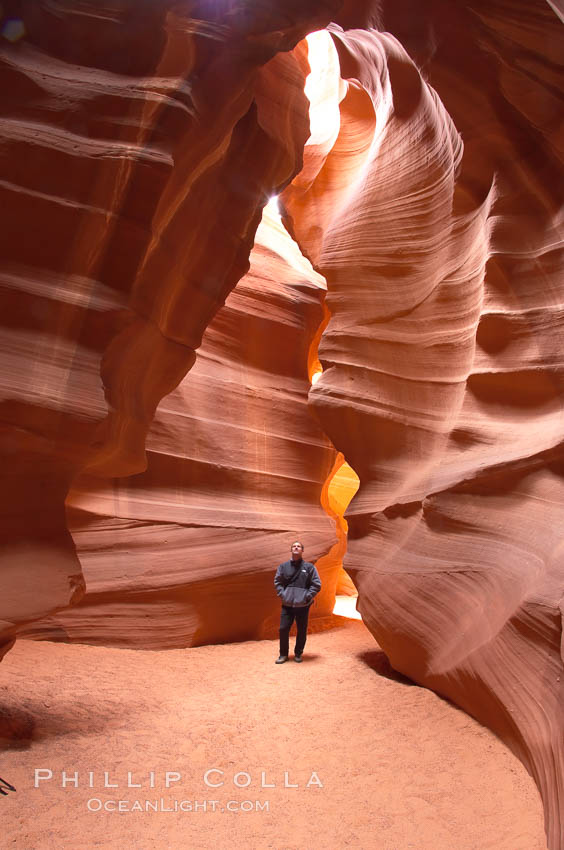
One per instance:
(434, 212)
(182, 554)
(139, 143)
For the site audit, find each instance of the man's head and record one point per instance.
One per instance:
(297, 549)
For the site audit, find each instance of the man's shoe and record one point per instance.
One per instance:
(298, 658)
(281, 659)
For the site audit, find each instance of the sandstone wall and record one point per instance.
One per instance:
(139, 143)
(185, 553)
(436, 219)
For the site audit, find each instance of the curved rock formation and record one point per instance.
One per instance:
(435, 217)
(182, 554)
(140, 142)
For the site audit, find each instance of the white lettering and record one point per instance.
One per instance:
(242, 784)
(212, 784)
(94, 805)
(73, 780)
(287, 783)
(107, 783)
(172, 776)
(314, 780)
(264, 783)
(131, 784)
(40, 775)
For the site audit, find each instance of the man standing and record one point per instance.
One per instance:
(296, 582)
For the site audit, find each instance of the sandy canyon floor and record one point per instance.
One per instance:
(379, 762)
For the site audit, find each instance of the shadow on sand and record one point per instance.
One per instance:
(379, 662)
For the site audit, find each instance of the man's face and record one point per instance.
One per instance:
(297, 550)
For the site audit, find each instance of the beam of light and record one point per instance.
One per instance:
(345, 606)
(324, 89)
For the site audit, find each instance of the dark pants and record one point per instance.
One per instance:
(287, 616)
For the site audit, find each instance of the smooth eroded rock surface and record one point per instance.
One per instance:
(435, 216)
(185, 552)
(139, 143)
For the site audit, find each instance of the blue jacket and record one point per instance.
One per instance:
(296, 583)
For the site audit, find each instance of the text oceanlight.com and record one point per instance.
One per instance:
(213, 777)
(162, 805)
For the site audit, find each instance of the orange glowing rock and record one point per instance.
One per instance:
(435, 217)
